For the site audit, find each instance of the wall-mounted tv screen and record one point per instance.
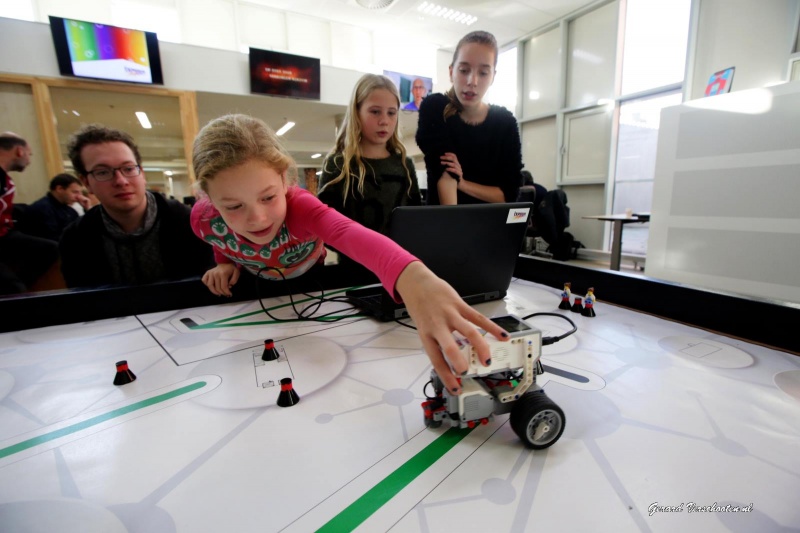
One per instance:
(279, 74)
(412, 88)
(99, 51)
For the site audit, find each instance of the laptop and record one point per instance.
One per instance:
(473, 247)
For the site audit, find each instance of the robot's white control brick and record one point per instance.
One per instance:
(516, 353)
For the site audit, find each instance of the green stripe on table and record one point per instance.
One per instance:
(361, 509)
(99, 419)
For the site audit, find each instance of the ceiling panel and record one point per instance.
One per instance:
(508, 21)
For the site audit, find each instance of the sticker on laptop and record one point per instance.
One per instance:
(516, 216)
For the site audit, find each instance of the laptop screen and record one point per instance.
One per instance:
(473, 247)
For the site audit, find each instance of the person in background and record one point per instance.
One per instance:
(23, 258)
(86, 201)
(530, 191)
(257, 219)
(418, 91)
(472, 149)
(367, 174)
(48, 216)
(134, 236)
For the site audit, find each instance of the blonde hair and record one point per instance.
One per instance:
(233, 140)
(348, 139)
(477, 37)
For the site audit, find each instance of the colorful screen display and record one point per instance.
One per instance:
(720, 82)
(89, 50)
(280, 74)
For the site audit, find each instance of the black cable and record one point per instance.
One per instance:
(409, 326)
(305, 314)
(551, 340)
(425, 388)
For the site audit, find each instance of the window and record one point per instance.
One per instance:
(592, 53)
(542, 71)
(794, 67)
(636, 162)
(656, 36)
(587, 139)
(653, 66)
(504, 89)
(586, 131)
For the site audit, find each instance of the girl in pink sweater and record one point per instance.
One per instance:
(256, 219)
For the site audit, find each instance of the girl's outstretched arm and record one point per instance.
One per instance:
(438, 310)
(435, 306)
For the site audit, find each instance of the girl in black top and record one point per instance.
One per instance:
(472, 149)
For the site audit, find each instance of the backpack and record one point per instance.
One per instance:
(565, 247)
(552, 216)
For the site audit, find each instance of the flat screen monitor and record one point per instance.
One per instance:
(412, 88)
(279, 74)
(103, 52)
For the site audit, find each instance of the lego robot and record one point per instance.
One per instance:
(507, 385)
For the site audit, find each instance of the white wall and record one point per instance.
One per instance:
(725, 208)
(28, 49)
(755, 37)
(727, 177)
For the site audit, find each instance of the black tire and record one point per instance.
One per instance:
(537, 420)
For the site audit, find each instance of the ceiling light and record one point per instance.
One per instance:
(376, 4)
(286, 127)
(143, 120)
(318, 173)
(168, 173)
(316, 156)
(76, 113)
(446, 13)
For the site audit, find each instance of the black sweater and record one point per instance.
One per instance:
(85, 263)
(47, 218)
(385, 187)
(490, 153)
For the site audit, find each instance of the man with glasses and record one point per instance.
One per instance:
(418, 91)
(135, 236)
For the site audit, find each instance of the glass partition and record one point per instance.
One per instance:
(161, 145)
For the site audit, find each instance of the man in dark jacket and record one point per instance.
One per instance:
(48, 216)
(23, 258)
(134, 236)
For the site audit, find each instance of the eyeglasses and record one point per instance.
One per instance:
(105, 173)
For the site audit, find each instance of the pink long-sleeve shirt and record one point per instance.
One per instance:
(299, 243)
